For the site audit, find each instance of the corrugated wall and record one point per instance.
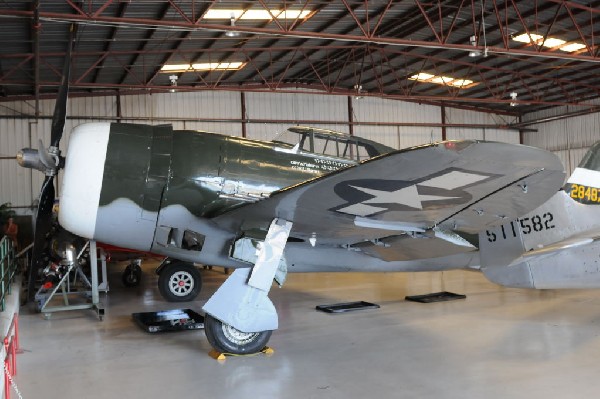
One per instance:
(224, 109)
(460, 116)
(299, 108)
(568, 138)
(378, 110)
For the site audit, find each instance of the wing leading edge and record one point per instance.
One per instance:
(462, 186)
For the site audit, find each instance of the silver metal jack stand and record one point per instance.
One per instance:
(73, 288)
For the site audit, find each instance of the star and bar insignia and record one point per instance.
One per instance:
(368, 197)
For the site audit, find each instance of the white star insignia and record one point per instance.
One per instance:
(409, 196)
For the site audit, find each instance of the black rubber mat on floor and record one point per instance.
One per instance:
(435, 297)
(169, 320)
(346, 307)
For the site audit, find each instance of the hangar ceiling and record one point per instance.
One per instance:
(470, 53)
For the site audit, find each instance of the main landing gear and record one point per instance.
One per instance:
(228, 339)
(178, 281)
(240, 317)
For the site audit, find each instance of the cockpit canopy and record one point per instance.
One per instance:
(329, 142)
(591, 159)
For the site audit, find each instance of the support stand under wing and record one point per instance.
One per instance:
(242, 301)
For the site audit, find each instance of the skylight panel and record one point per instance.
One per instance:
(255, 14)
(550, 42)
(443, 80)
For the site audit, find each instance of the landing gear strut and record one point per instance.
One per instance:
(240, 317)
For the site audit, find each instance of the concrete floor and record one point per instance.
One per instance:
(498, 343)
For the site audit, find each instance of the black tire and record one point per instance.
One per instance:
(132, 276)
(179, 282)
(226, 339)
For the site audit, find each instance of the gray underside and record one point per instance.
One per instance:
(117, 226)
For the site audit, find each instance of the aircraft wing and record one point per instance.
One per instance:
(462, 186)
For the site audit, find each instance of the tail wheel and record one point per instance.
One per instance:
(179, 282)
(227, 339)
(132, 275)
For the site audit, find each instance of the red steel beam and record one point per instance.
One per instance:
(392, 41)
(306, 89)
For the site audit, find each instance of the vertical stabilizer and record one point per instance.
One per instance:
(584, 184)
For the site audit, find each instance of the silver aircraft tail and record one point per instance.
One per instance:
(556, 245)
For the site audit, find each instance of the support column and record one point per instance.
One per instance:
(119, 112)
(350, 117)
(443, 117)
(243, 101)
(94, 272)
(521, 131)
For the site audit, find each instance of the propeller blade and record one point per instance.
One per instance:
(60, 108)
(43, 224)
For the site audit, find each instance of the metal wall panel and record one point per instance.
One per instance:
(26, 107)
(15, 182)
(137, 105)
(569, 138)
(307, 107)
(311, 108)
(466, 117)
(583, 130)
(464, 134)
(374, 110)
(92, 106)
(554, 111)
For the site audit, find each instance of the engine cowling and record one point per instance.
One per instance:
(113, 181)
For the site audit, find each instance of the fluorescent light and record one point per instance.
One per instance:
(293, 14)
(443, 80)
(207, 66)
(175, 68)
(524, 38)
(572, 47)
(421, 76)
(461, 82)
(212, 66)
(550, 42)
(255, 14)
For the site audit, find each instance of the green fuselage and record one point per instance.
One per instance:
(176, 181)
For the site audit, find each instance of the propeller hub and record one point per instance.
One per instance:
(30, 158)
(45, 161)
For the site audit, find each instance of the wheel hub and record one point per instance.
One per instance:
(181, 283)
(238, 337)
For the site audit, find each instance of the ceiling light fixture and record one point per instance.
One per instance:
(474, 39)
(232, 33)
(474, 52)
(358, 89)
(513, 97)
(173, 79)
(550, 42)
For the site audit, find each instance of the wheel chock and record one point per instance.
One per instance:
(216, 355)
(268, 351)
